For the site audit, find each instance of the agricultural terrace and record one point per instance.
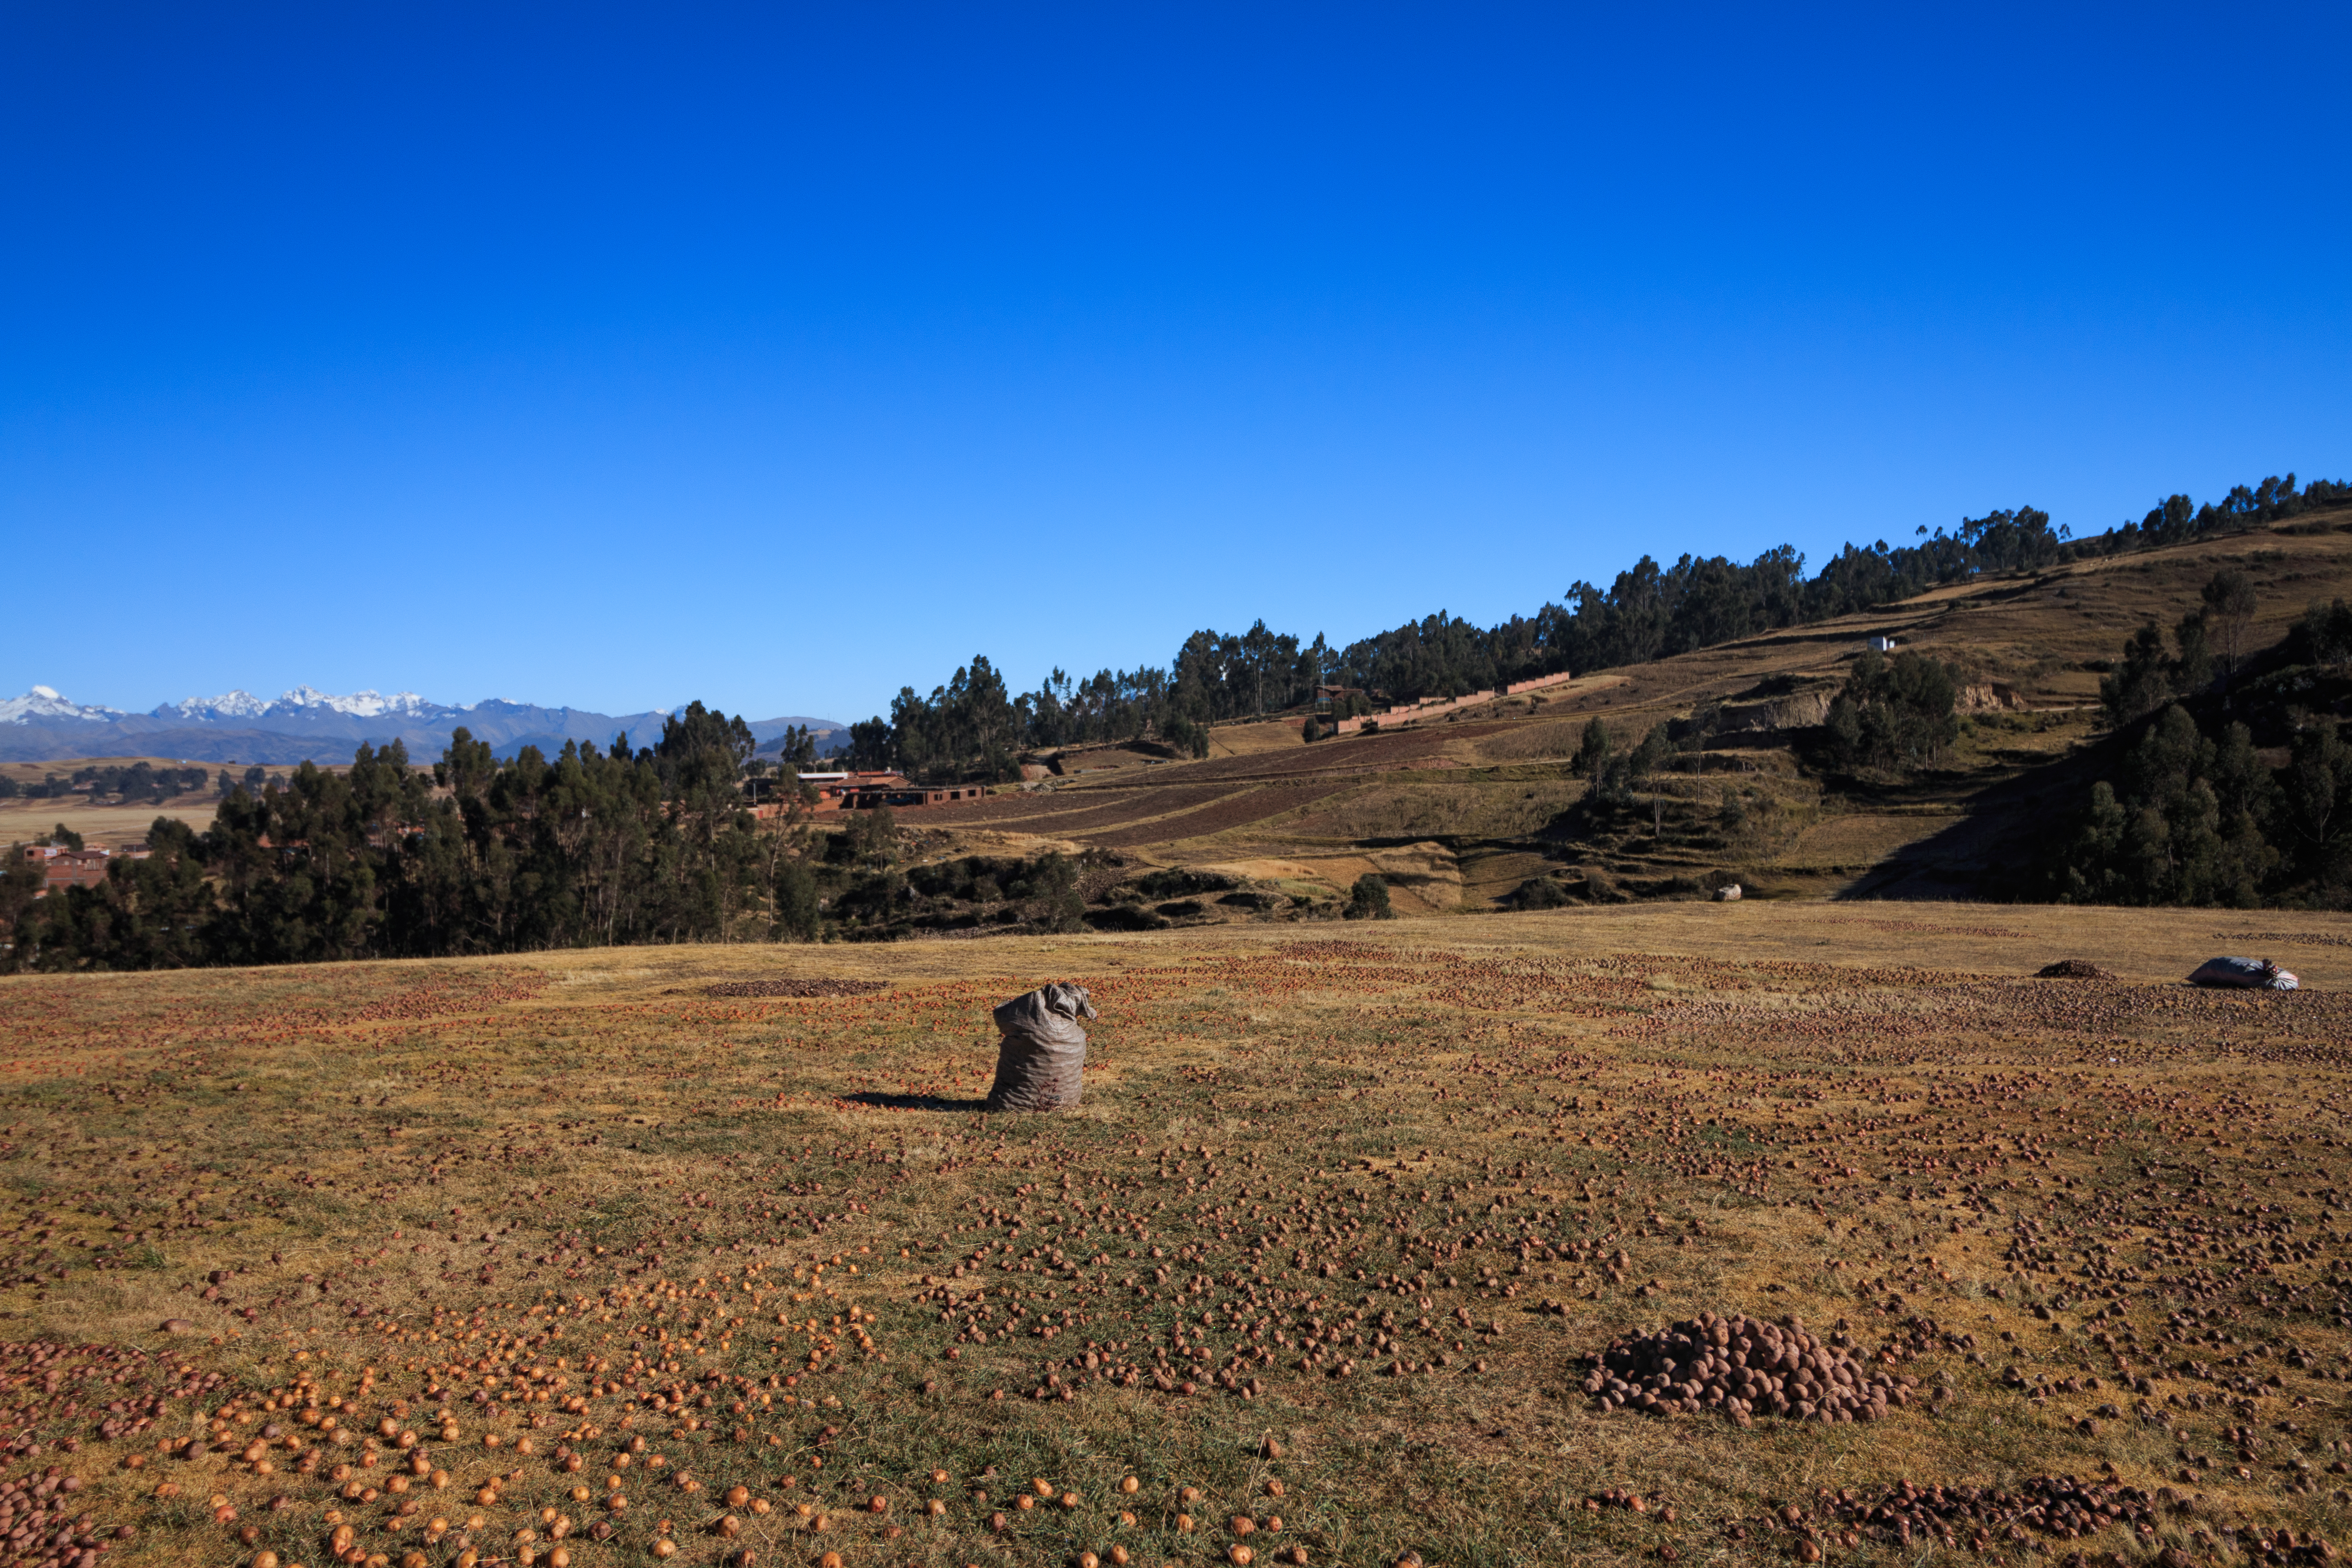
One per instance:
(583, 1261)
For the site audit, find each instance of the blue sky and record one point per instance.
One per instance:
(782, 356)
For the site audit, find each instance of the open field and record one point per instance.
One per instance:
(482, 1256)
(23, 820)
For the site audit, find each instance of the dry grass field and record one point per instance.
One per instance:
(22, 820)
(574, 1260)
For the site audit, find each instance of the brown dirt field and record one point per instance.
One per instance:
(1372, 1192)
(1222, 817)
(1345, 754)
(1256, 740)
(1388, 807)
(1064, 811)
(1073, 760)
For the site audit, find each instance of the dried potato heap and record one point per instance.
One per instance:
(1745, 1367)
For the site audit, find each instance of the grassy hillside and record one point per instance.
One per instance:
(1469, 808)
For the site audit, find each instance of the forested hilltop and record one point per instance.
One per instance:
(973, 726)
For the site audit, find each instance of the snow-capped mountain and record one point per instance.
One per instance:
(234, 705)
(245, 705)
(43, 702)
(306, 722)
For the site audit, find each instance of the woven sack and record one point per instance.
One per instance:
(1040, 1062)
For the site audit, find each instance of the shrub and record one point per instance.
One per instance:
(1539, 893)
(1052, 892)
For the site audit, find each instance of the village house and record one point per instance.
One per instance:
(865, 791)
(866, 798)
(63, 868)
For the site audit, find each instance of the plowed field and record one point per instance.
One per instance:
(1207, 798)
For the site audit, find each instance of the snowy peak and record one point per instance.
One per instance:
(232, 705)
(302, 700)
(237, 726)
(359, 704)
(43, 702)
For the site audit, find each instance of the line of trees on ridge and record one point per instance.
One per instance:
(975, 727)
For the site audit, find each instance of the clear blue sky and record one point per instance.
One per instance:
(785, 356)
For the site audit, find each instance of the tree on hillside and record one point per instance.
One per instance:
(1050, 894)
(1893, 713)
(2181, 823)
(797, 751)
(1369, 899)
(872, 838)
(787, 844)
(794, 914)
(2316, 811)
(701, 752)
(2146, 678)
(1615, 773)
(1591, 749)
(2141, 681)
(870, 748)
(2229, 604)
(967, 729)
(1187, 738)
(2324, 636)
(21, 882)
(2019, 541)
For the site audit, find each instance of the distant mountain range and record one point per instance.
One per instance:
(317, 726)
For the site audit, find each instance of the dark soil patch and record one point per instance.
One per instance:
(796, 988)
(2073, 969)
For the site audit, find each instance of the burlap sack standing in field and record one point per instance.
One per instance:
(1044, 1056)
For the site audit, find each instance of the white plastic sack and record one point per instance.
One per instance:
(1040, 1062)
(2246, 973)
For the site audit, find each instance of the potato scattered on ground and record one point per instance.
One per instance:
(795, 987)
(570, 1258)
